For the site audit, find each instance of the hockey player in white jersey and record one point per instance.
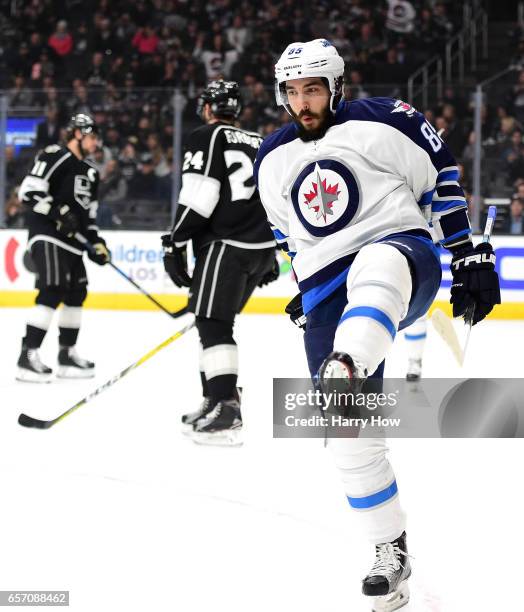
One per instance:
(415, 337)
(349, 189)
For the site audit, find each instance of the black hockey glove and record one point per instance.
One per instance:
(295, 312)
(100, 254)
(175, 262)
(66, 221)
(475, 282)
(272, 275)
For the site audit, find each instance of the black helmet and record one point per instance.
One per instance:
(224, 98)
(81, 122)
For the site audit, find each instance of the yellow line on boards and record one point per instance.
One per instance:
(256, 305)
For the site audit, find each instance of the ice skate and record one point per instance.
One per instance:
(189, 419)
(222, 426)
(414, 370)
(70, 365)
(340, 374)
(387, 582)
(31, 368)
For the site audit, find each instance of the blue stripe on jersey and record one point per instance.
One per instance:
(455, 236)
(279, 235)
(315, 295)
(450, 190)
(426, 198)
(282, 136)
(325, 275)
(448, 175)
(372, 313)
(413, 337)
(375, 499)
(443, 205)
(454, 224)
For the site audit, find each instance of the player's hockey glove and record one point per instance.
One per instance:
(66, 221)
(272, 275)
(475, 281)
(175, 262)
(100, 253)
(295, 311)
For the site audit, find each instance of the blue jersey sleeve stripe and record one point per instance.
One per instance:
(455, 236)
(279, 235)
(372, 313)
(375, 499)
(448, 205)
(426, 198)
(447, 175)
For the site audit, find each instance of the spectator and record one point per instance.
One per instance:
(218, 60)
(238, 35)
(19, 94)
(48, 132)
(146, 40)
(14, 213)
(61, 40)
(514, 224)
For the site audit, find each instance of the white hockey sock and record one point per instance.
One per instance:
(379, 289)
(370, 486)
(41, 316)
(70, 316)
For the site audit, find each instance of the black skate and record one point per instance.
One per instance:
(31, 368)
(73, 366)
(387, 580)
(414, 370)
(189, 419)
(222, 426)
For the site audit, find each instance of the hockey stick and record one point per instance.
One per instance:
(27, 421)
(443, 324)
(89, 247)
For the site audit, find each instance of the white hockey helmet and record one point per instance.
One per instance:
(316, 58)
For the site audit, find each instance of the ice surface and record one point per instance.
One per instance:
(115, 505)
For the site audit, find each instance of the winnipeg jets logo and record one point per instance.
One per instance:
(325, 196)
(403, 107)
(321, 196)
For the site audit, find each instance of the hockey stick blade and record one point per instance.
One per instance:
(27, 421)
(444, 327)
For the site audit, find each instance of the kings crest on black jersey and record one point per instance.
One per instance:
(219, 199)
(57, 178)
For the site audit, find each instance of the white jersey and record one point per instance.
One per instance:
(380, 170)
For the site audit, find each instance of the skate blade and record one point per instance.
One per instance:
(231, 437)
(71, 372)
(23, 375)
(394, 601)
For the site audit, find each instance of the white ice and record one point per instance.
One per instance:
(114, 505)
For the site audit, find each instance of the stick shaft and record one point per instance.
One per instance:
(116, 378)
(89, 247)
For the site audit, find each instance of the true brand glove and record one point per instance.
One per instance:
(475, 281)
(271, 275)
(101, 254)
(66, 221)
(295, 311)
(175, 262)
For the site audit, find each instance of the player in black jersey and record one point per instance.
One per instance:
(220, 211)
(60, 195)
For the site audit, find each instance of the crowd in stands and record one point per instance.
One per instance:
(120, 61)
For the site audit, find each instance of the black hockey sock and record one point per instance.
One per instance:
(222, 387)
(205, 386)
(34, 336)
(68, 336)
